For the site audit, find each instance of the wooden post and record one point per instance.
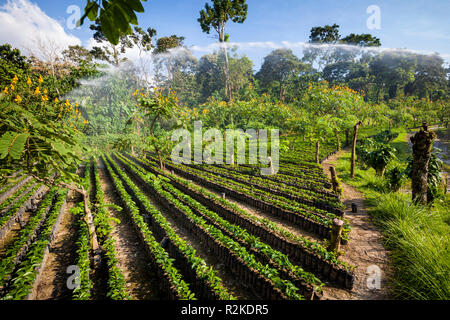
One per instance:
(355, 137)
(317, 151)
(335, 182)
(271, 165)
(336, 232)
(445, 183)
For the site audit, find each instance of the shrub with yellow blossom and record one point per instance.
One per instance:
(38, 134)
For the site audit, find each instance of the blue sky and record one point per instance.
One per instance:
(415, 24)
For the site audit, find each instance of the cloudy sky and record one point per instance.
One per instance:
(421, 25)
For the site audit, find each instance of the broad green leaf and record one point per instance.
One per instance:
(93, 11)
(109, 29)
(13, 144)
(136, 5)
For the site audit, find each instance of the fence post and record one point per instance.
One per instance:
(336, 232)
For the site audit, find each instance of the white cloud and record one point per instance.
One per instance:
(24, 25)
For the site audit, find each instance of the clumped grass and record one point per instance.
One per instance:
(416, 236)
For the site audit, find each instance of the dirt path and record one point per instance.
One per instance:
(364, 249)
(141, 280)
(62, 253)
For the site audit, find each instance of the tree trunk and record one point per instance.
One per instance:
(225, 51)
(281, 91)
(355, 137)
(317, 151)
(422, 144)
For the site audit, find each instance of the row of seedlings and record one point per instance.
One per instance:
(308, 199)
(15, 206)
(9, 188)
(307, 283)
(83, 289)
(172, 284)
(306, 183)
(272, 204)
(310, 254)
(17, 249)
(202, 278)
(115, 278)
(28, 271)
(307, 207)
(265, 280)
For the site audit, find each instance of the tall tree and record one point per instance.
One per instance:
(217, 17)
(163, 46)
(392, 71)
(278, 66)
(321, 35)
(143, 41)
(361, 40)
(106, 50)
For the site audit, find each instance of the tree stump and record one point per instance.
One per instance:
(422, 144)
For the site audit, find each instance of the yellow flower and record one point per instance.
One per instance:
(67, 102)
(44, 98)
(12, 87)
(56, 100)
(37, 91)
(45, 91)
(15, 78)
(79, 115)
(5, 91)
(59, 115)
(40, 80)
(18, 99)
(29, 81)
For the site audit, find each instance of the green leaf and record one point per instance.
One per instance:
(136, 5)
(108, 28)
(120, 18)
(93, 11)
(12, 143)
